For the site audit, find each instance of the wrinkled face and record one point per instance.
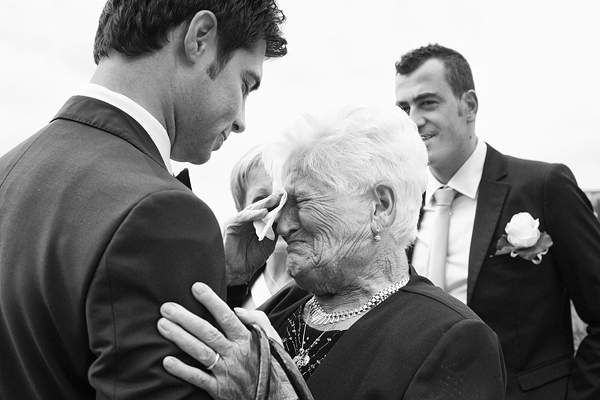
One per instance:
(327, 235)
(427, 98)
(260, 186)
(208, 110)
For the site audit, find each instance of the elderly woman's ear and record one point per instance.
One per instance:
(384, 210)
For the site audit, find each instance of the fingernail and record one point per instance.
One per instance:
(163, 324)
(198, 288)
(240, 311)
(168, 362)
(167, 309)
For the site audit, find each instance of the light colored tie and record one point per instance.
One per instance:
(439, 239)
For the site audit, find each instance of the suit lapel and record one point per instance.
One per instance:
(101, 115)
(493, 189)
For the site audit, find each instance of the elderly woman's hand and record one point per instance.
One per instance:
(232, 358)
(244, 253)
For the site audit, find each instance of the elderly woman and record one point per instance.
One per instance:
(360, 324)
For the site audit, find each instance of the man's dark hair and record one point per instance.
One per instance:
(458, 71)
(138, 27)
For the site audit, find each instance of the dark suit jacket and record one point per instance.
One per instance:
(95, 235)
(420, 343)
(527, 305)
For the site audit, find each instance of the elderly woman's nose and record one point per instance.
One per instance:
(286, 222)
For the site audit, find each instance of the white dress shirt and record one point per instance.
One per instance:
(259, 293)
(157, 132)
(462, 216)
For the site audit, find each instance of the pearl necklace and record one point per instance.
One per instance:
(318, 316)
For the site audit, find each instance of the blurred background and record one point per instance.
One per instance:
(535, 64)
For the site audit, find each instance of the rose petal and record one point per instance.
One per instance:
(524, 239)
(522, 230)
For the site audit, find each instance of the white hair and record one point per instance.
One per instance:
(352, 148)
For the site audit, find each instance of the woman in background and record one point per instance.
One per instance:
(249, 183)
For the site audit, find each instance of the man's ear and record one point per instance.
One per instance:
(471, 104)
(384, 211)
(200, 36)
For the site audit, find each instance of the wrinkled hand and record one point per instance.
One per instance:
(236, 370)
(255, 317)
(244, 253)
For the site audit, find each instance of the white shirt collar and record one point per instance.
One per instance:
(155, 130)
(466, 179)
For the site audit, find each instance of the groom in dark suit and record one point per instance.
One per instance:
(95, 231)
(526, 303)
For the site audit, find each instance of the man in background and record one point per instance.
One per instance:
(526, 303)
(95, 231)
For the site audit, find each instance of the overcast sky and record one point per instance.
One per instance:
(535, 65)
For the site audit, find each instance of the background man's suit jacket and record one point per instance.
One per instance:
(527, 305)
(95, 234)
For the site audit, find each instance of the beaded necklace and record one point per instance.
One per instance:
(302, 358)
(297, 337)
(318, 316)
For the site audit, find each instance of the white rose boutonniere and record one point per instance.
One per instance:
(524, 239)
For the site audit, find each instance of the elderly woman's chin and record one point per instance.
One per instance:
(296, 269)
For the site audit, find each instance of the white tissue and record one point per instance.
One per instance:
(264, 226)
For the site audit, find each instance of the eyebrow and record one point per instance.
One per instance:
(417, 98)
(252, 76)
(422, 96)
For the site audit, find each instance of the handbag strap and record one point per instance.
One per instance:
(264, 362)
(290, 369)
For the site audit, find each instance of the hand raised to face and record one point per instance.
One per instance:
(244, 252)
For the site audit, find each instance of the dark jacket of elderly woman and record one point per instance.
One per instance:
(418, 344)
